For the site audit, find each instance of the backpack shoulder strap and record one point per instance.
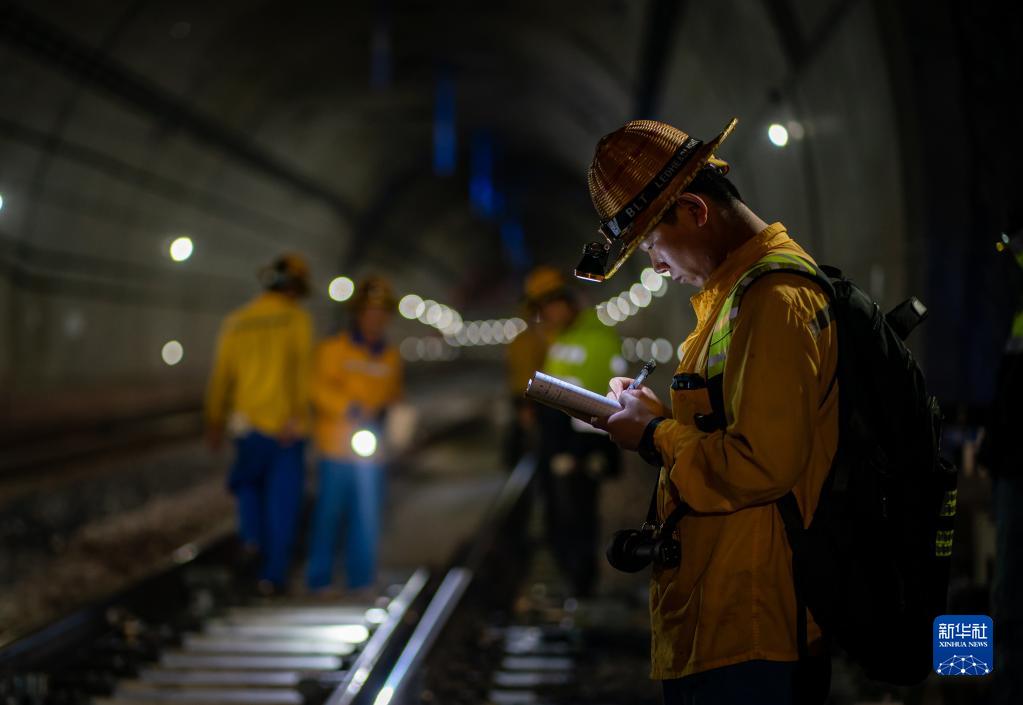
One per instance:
(723, 327)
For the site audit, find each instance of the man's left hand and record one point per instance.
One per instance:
(626, 426)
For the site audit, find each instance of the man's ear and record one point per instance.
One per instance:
(694, 208)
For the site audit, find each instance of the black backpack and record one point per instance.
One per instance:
(873, 566)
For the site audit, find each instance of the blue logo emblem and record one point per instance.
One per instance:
(964, 645)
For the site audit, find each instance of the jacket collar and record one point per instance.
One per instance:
(357, 338)
(721, 281)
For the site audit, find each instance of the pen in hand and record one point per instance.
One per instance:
(643, 374)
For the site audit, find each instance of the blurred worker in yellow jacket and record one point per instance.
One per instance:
(259, 392)
(357, 376)
(525, 355)
(574, 458)
(724, 622)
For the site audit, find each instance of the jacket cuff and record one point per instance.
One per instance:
(647, 448)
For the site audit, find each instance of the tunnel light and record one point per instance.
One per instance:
(626, 306)
(434, 311)
(172, 352)
(364, 443)
(411, 306)
(644, 348)
(604, 316)
(486, 333)
(428, 306)
(629, 349)
(640, 295)
(341, 288)
(409, 349)
(613, 312)
(447, 317)
(434, 349)
(650, 279)
(454, 326)
(778, 135)
(619, 367)
(1, 201)
(181, 249)
(661, 350)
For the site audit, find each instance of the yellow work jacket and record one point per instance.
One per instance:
(352, 384)
(260, 376)
(732, 598)
(525, 355)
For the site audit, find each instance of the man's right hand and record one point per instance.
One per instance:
(646, 395)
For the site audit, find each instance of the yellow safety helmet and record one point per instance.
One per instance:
(542, 283)
(373, 292)
(289, 271)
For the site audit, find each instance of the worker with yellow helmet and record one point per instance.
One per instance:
(573, 457)
(725, 622)
(357, 376)
(259, 392)
(525, 355)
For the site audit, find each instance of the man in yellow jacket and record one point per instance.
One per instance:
(525, 355)
(259, 392)
(724, 620)
(357, 376)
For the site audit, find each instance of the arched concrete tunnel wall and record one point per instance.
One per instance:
(260, 127)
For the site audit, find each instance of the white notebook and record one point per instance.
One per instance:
(569, 398)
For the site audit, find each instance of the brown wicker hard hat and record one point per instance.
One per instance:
(637, 173)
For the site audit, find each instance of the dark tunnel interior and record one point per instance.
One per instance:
(155, 155)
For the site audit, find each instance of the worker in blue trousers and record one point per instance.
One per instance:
(357, 377)
(259, 393)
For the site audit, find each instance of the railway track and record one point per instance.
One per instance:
(192, 634)
(492, 627)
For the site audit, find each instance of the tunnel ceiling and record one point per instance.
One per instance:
(255, 127)
(258, 127)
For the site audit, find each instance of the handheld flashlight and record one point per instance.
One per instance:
(364, 443)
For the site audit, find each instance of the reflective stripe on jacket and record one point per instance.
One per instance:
(587, 353)
(261, 369)
(732, 599)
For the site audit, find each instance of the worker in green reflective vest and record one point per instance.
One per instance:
(573, 456)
